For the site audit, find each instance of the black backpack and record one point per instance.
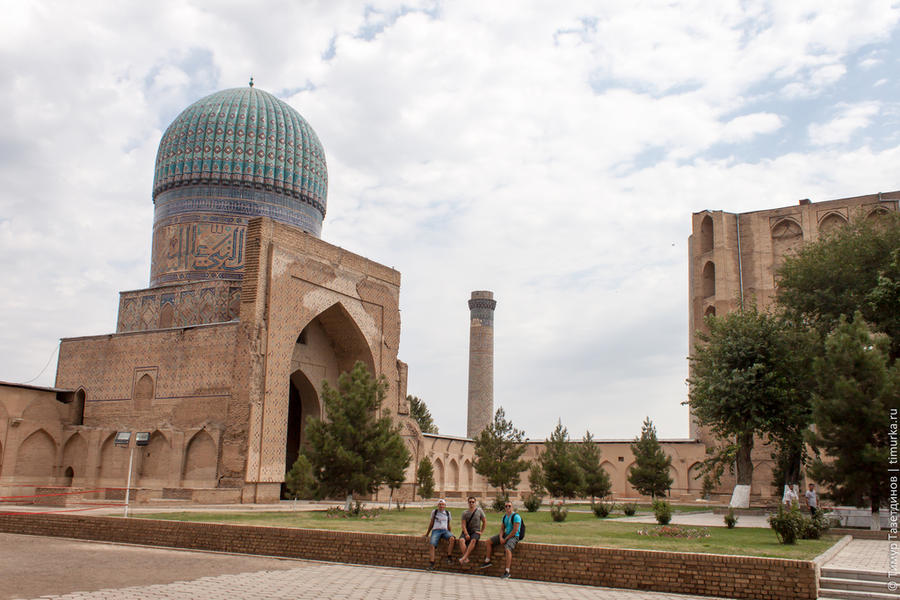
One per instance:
(521, 525)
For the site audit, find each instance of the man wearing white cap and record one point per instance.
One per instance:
(439, 529)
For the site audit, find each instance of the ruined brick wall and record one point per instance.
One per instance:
(734, 256)
(672, 572)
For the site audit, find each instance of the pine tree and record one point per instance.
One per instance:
(354, 451)
(498, 451)
(425, 478)
(536, 479)
(856, 405)
(596, 480)
(562, 476)
(650, 473)
(420, 413)
(300, 481)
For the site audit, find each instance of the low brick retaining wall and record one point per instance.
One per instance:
(675, 572)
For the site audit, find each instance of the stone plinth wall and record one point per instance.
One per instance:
(685, 573)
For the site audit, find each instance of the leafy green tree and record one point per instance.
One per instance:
(300, 481)
(857, 268)
(596, 480)
(498, 451)
(354, 451)
(563, 477)
(650, 473)
(425, 478)
(750, 377)
(854, 411)
(420, 413)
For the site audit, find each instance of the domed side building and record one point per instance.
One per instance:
(221, 359)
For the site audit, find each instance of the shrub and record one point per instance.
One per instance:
(558, 512)
(730, 518)
(787, 524)
(532, 503)
(358, 510)
(602, 509)
(499, 503)
(814, 527)
(708, 486)
(672, 531)
(629, 508)
(662, 510)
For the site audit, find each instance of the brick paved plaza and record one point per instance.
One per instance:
(32, 567)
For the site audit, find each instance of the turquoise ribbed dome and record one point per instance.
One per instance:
(248, 138)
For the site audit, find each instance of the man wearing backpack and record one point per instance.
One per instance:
(439, 529)
(473, 524)
(510, 528)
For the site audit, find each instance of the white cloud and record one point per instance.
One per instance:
(553, 155)
(747, 127)
(850, 119)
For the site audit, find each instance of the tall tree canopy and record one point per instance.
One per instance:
(420, 413)
(750, 376)
(563, 478)
(354, 451)
(650, 473)
(856, 268)
(498, 451)
(854, 410)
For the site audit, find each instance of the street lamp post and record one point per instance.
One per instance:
(123, 438)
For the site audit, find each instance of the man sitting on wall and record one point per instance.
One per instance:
(508, 537)
(439, 529)
(473, 524)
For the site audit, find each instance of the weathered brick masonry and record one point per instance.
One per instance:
(685, 573)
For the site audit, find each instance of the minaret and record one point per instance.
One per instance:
(481, 362)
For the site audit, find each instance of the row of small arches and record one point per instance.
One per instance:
(38, 461)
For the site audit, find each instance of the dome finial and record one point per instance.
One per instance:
(251, 81)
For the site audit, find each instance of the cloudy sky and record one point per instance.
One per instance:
(550, 152)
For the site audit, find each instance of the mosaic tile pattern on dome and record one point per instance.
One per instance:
(244, 137)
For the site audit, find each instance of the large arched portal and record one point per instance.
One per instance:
(328, 345)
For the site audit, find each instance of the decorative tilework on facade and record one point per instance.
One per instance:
(197, 303)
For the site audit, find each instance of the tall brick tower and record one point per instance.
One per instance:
(481, 362)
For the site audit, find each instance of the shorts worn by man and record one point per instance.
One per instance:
(508, 538)
(473, 524)
(439, 529)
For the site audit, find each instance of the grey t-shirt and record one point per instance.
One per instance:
(472, 519)
(811, 498)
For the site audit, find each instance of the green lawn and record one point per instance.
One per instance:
(580, 529)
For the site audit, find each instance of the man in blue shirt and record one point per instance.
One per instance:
(508, 537)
